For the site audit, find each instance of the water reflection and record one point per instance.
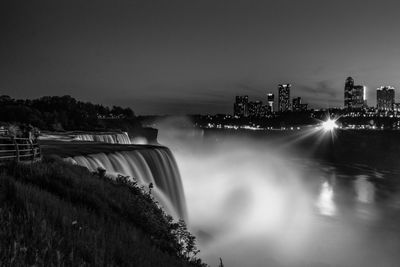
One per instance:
(346, 196)
(365, 190)
(325, 203)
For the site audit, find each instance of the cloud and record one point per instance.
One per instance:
(321, 94)
(321, 88)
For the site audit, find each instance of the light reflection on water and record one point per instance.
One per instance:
(255, 205)
(325, 202)
(365, 190)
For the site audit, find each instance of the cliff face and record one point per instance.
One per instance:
(133, 127)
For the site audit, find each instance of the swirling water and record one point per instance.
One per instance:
(255, 203)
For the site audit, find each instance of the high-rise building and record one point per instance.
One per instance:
(240, 108)
(354, 95)
(348, 88)
(284, 97)
(255, 108)
(270, 99)
(358, 96)
(385, 98)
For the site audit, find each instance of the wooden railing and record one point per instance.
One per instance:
(18, 149)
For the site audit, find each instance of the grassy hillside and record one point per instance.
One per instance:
(54, 213)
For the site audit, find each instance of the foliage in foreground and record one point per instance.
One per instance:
(54, 213)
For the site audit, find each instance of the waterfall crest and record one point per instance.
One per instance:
(155, 165)
(115, 138)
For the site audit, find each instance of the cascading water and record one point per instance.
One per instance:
(156, 165)
(115, 138)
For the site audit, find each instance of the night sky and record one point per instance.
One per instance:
(181, 57)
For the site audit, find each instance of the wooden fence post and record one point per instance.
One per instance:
(16, 148)
(32, 149)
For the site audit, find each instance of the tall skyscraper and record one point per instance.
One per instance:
(354, 95)
(348, 88)
(284, 97)
(240, 108)
(385, 98)
(270, 99)
(358, 100)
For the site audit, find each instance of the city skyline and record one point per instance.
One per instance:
(176, 58)
(354, 99)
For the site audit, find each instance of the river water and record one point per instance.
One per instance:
(267, 200)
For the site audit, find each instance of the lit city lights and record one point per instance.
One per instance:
(329, 125)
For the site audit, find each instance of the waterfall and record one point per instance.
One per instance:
(155, 165)
(113, 138)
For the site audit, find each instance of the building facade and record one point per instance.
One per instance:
(240, 108)
(297, 105)
(358, 97)
(255, 109)
(396, 107)
(385, 98)
(348, 87)
(271, 99)
(354, 95)
(284, 97)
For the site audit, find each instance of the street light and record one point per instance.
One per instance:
(329, 125)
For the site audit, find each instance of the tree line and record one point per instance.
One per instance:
(58, 113)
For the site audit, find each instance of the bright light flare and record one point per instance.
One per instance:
(329, 125)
